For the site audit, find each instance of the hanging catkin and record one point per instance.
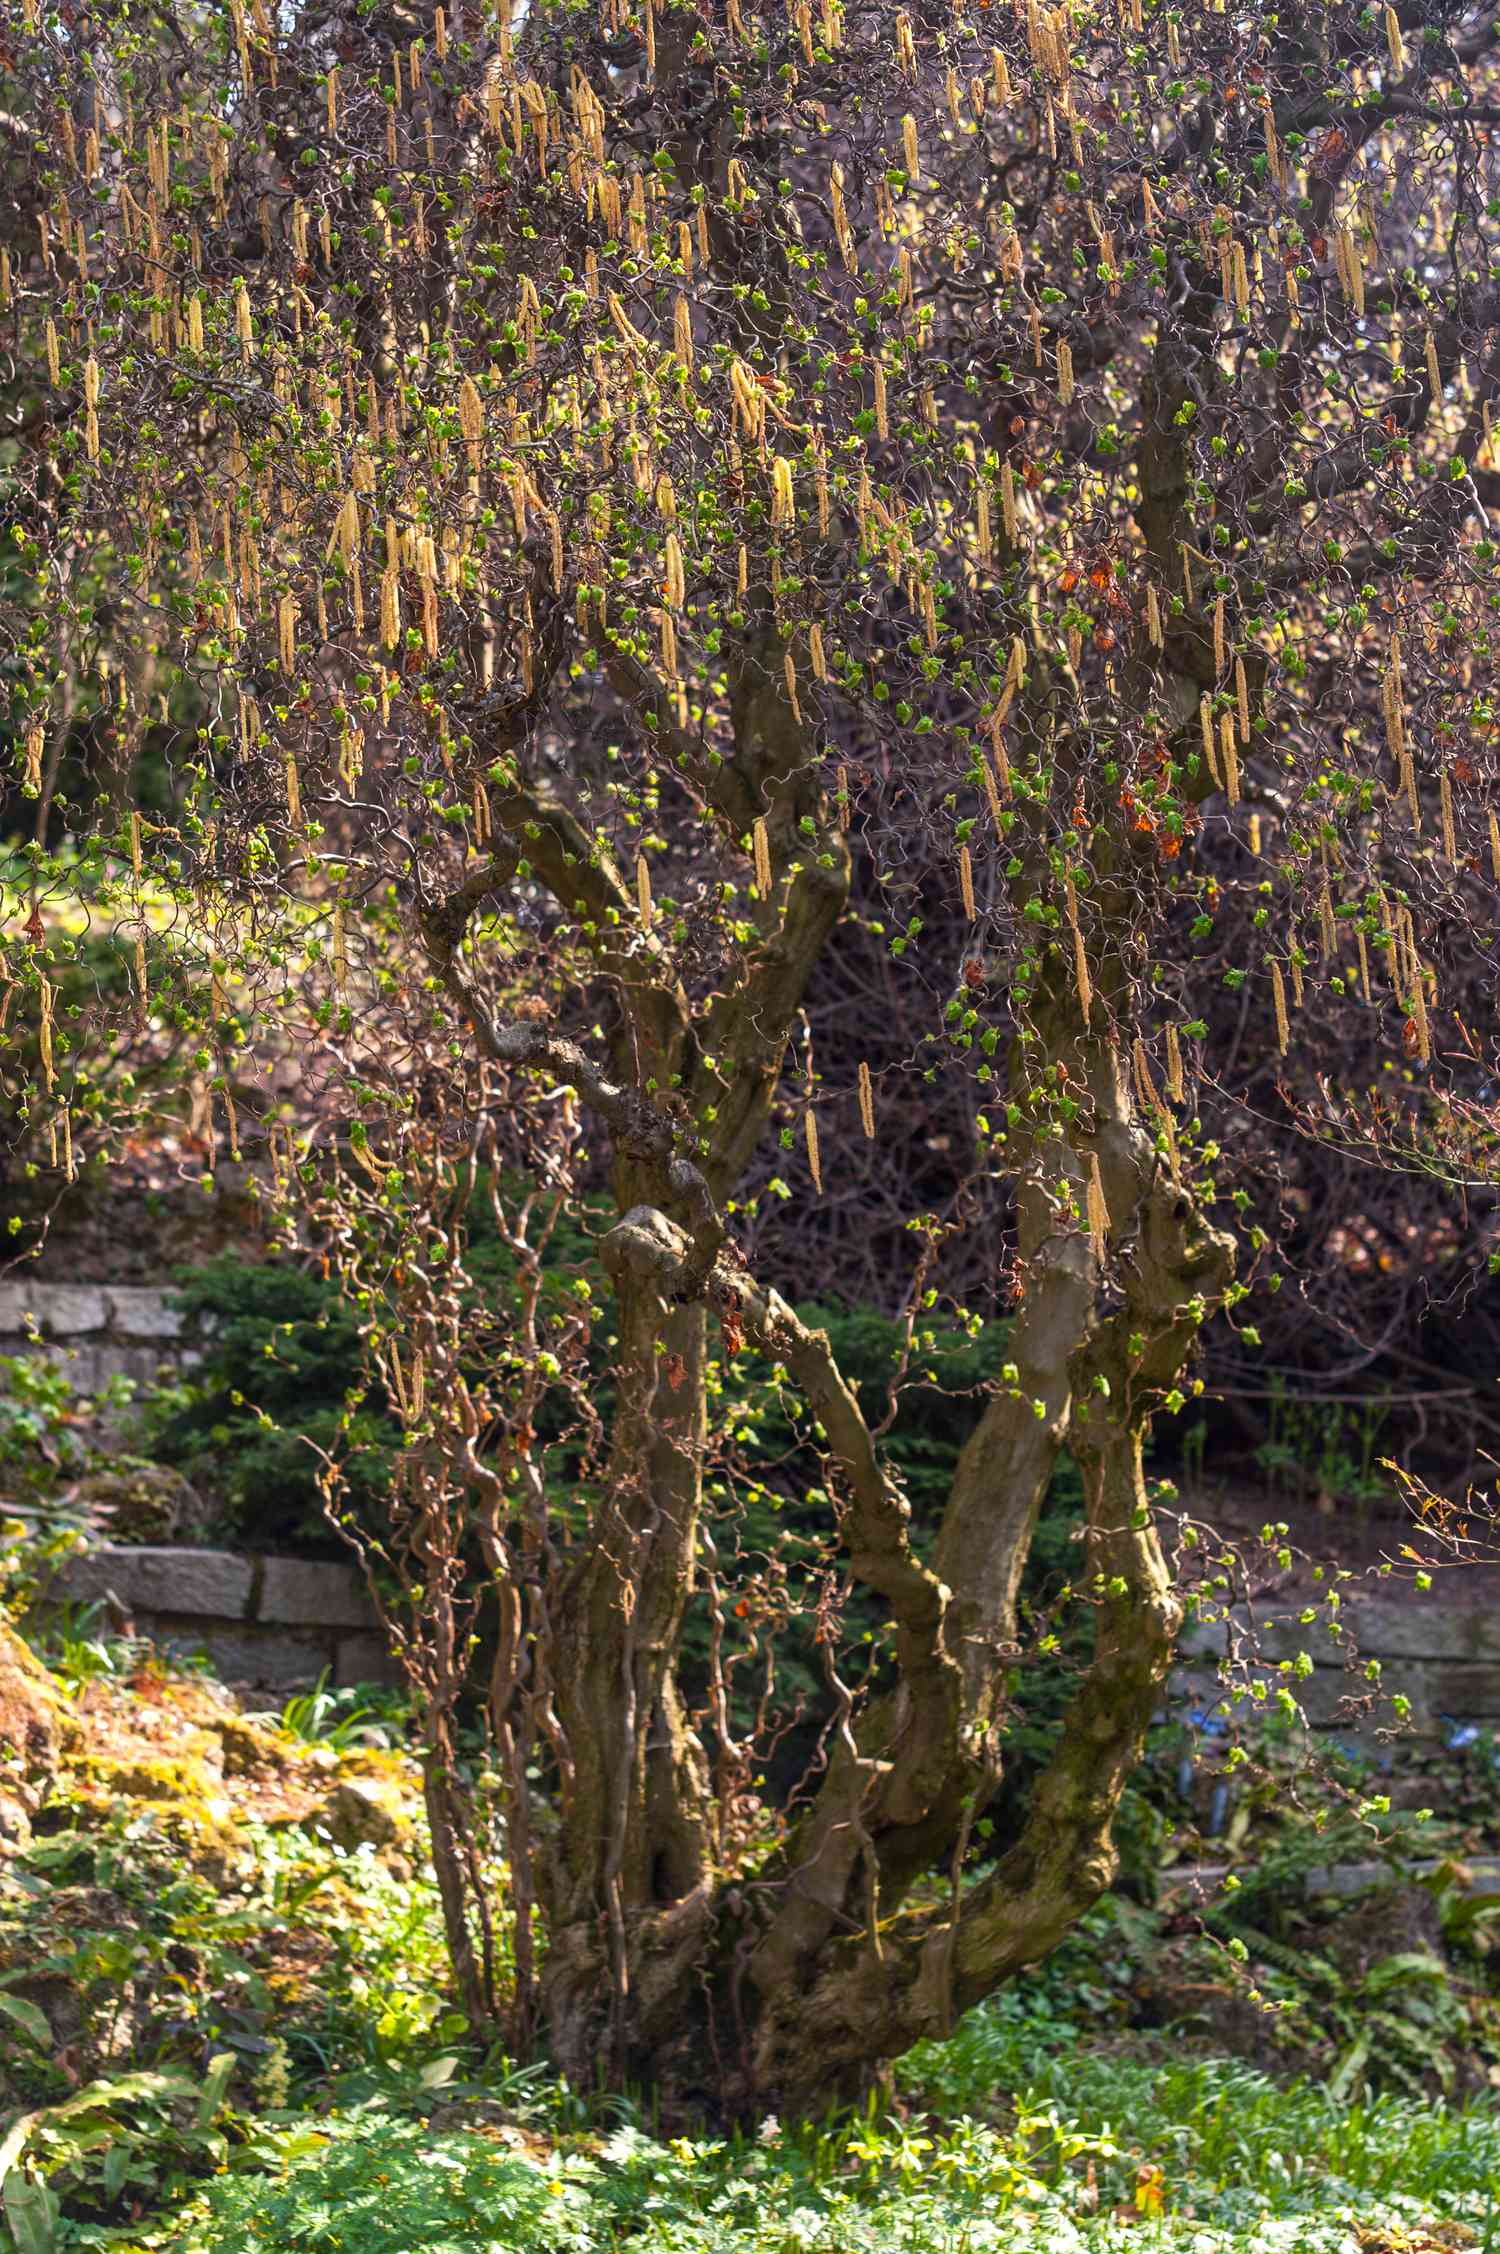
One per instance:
(1278, 998)
(762, 849)
(1098, 1211)
(1419, 1012)
(813, 1160)
(1080, 956)
(1495, 845)
(1008, 502)
(1445, 801)
(1065, 385)
(643, 890)
(1174, 1065)
(966, 881)
(44, 1033)
(1210, 749)
(866, 1103)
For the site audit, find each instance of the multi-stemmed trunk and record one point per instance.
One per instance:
(736, 1991)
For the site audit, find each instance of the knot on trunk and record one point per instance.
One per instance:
(645, 1244)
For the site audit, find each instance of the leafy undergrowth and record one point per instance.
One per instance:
(1208, 2159)
(225, 2026)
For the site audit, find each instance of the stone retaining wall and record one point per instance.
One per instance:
(271, 1621)
(97, 1331)
(1444, 1657)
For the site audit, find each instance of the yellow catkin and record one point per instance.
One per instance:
(1065, 384)
(1146, 1087)
(1008, 502)
(1495, 845)
(866, 1103)
(643, 891)
(1278, 998)
(762, 849)
(1231, 759)
(814, 1162)
(1081, 976)
(1154, 632)
(1419, 1012)
(44, 1033)
(1394, 42)
(1255, 834)
(390, 609)
(1296, 970)
(1210, 748)
(674, 588)
(1364, 964)
(1098, 1211)
(1174, 1065)
(1445, 799)
(966, 881)
(1080, 956)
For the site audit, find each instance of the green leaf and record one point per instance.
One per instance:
(215, 2082)
(13, 2142)
(31, 2211)
(28, 2018)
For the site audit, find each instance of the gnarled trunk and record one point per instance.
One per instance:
(738, 1991)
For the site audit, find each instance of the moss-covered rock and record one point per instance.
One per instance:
(35, 1727)
(367, 1811)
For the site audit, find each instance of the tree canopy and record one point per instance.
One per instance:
(538, 537)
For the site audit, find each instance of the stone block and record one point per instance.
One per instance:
(1410, 1627)
(364, 1657)
(313, 1593)
(1463, 1693)
(269, 1658)
(200, 1584)
(67, 1310)
(137, 1312)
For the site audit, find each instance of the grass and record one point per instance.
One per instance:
(1013, 2138)
(269, 2061)
(1228, 2138)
